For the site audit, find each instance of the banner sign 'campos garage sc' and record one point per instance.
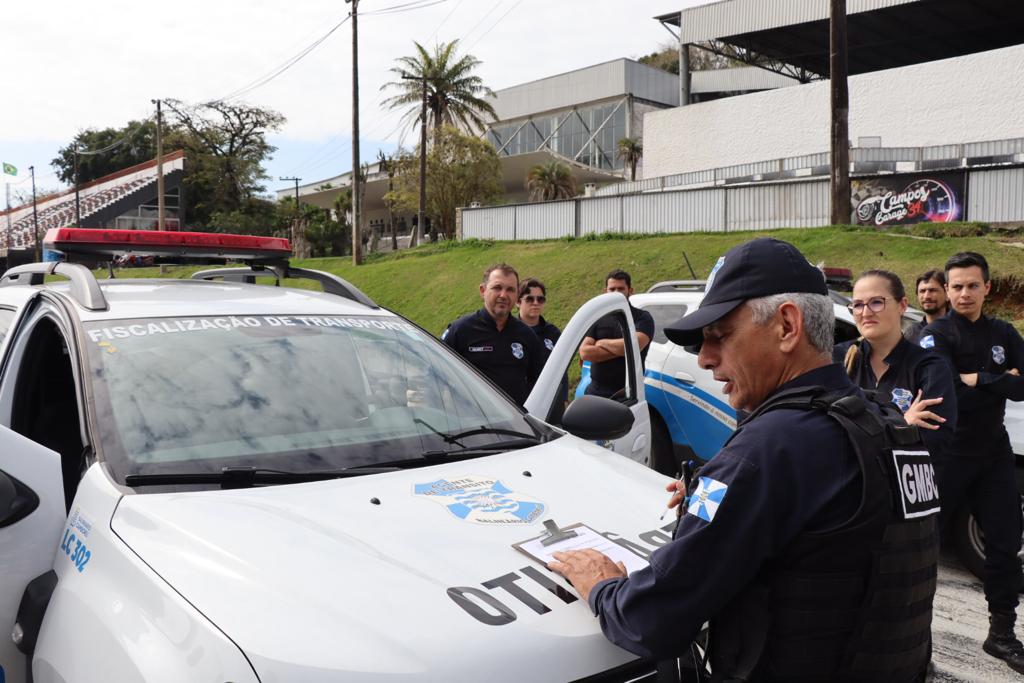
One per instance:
(904, 199)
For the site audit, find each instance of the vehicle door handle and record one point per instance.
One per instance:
(685, 378)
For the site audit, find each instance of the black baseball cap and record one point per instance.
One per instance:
(757, 268)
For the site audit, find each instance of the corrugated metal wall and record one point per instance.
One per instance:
(491, 223)
(545, 220)
(601, 214)
(788, 205)
(996, 196)
(993, 195)
(685, 211)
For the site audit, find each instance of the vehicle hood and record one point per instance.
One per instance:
(314, 580)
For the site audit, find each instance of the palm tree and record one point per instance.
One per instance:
(552, 180)
(630, 151)
(454, 94)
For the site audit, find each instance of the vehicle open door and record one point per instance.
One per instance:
(545, 400)
(32, 516)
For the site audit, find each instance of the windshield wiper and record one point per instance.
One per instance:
(482, 429)
(247, 477)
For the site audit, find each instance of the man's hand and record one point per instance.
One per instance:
(970, 379)
(1013, 371)
(918, 413)
(585, 569)
(678, 490)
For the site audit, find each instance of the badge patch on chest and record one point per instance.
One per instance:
(549, 344)
(705, 500)
(928, 342)
(998, 355)
(915, 477)
(517, 350)
(902, 398)
(482, 500)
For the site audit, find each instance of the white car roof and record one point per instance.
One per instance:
(156, 298)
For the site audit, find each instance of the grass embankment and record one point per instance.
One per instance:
(436, 283)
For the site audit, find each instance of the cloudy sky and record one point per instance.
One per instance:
(68, 66)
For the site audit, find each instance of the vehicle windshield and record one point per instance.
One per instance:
(296, 393)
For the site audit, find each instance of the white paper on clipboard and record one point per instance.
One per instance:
(585, 538)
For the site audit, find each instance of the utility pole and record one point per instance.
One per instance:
(159, 168)
(7, 191)
(298, 214)
(78, 204)
(417, 235)
(357, 238)
(35, 216)
(839, 176)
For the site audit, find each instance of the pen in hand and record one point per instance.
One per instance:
(687, 476)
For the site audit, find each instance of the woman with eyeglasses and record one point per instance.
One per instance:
(883, 361)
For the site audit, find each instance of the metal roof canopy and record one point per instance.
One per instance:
(883, 34)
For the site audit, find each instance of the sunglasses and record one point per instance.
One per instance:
(876, 304)
(531, 299)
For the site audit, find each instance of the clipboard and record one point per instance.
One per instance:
(577, 536)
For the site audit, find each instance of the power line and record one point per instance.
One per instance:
(500, 19)
(482, 19)
(114, 145)
(447, 17)
(407, 7)
(287, 64)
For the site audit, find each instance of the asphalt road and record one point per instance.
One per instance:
(959, 626)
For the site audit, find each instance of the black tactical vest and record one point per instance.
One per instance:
(851, 604)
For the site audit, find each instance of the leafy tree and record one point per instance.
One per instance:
(256, 216)
(461, 169)
(225, 144)
(133, 144)
(454, 94)
(551, 180)
(630, 150)
(666, 58)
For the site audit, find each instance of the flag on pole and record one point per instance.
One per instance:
(9, 169)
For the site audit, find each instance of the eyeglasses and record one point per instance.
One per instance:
(531, 299)
(876, 304)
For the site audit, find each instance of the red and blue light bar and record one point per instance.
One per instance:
(196, 245)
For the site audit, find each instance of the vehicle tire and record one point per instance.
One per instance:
(968, 541)
(663, 456)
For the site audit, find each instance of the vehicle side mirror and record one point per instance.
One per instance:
(597, 419)
(17, 501)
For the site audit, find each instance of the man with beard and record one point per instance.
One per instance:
(931, 296)
(500, 346)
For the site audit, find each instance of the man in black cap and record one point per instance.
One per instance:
(799, 544)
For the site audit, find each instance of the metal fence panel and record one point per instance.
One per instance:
(490, 223)
(996, 196)
(600, 214)
(684, 211)
(785, 205)
(545, 220)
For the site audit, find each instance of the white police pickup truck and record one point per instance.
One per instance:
(217, 480)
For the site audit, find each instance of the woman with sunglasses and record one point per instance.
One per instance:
(532, 298)
(883, 361)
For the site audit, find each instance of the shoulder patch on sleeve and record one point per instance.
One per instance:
(705, 500)
(928, 341)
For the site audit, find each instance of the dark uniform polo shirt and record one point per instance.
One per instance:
(512, 358)
(548, 335)
(608, 377)
(911, 368)
(988, 347)
(914, 332)
(785, 472)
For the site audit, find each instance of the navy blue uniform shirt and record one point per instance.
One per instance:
(988, 347)
(783, 473)
(914, 332)
(609, 376)
(910, 368)
(512, 357)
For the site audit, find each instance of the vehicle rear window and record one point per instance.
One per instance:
(664, 314)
